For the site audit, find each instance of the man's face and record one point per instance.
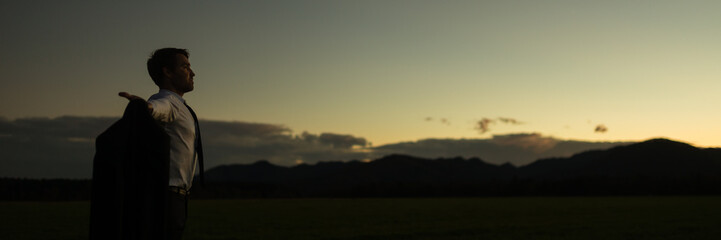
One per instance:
(181, 77)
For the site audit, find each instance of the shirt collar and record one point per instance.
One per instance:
(168, 92)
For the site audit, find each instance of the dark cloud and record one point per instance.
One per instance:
(527, 141)
(512, 121)
(63, 127)
(483, 125)
(250, 142)
(45, 147)
(64, 147)
(444, 121)
(341, 141)
(601, 128)
(517, 149)
(235, 128)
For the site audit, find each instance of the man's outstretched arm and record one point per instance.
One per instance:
(131, 97)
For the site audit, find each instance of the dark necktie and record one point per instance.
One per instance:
(198, 145)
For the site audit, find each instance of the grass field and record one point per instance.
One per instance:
(442, 218)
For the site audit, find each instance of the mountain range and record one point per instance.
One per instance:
(653, 167)
(656, 166)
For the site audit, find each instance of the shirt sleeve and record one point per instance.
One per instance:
(162, 110)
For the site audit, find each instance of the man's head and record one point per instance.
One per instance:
(170, 69)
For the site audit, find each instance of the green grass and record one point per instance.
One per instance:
(444, 218)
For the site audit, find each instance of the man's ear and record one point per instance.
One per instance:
(167, 73)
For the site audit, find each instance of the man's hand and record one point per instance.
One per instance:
(131, 97)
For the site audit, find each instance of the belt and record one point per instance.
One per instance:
(180, 191)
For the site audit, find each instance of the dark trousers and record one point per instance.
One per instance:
(177, 214)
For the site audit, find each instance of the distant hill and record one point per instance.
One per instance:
(652, 158)
(657, 166)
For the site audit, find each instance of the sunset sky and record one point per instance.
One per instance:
(387, 71)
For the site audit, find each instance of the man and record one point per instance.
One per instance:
(170, 69)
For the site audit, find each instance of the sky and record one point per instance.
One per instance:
(387, 71)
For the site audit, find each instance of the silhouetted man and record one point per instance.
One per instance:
(170, 70)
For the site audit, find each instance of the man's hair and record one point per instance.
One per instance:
(163, 58)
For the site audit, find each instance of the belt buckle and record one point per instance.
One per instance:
(179, 190)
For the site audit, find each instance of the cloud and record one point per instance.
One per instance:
(239, 142)
(45, 147)
(444, 121)
(601, 128)
(528, 141)
(341, 141)
(483, 125)
(236, 128)
(64, 147)
(62, 127)
(518, 149)
(509, 121)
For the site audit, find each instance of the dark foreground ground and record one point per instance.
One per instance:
(442, 218)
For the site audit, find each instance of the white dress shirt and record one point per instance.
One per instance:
(170, 112)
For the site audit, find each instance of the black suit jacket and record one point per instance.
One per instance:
(130, 178)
